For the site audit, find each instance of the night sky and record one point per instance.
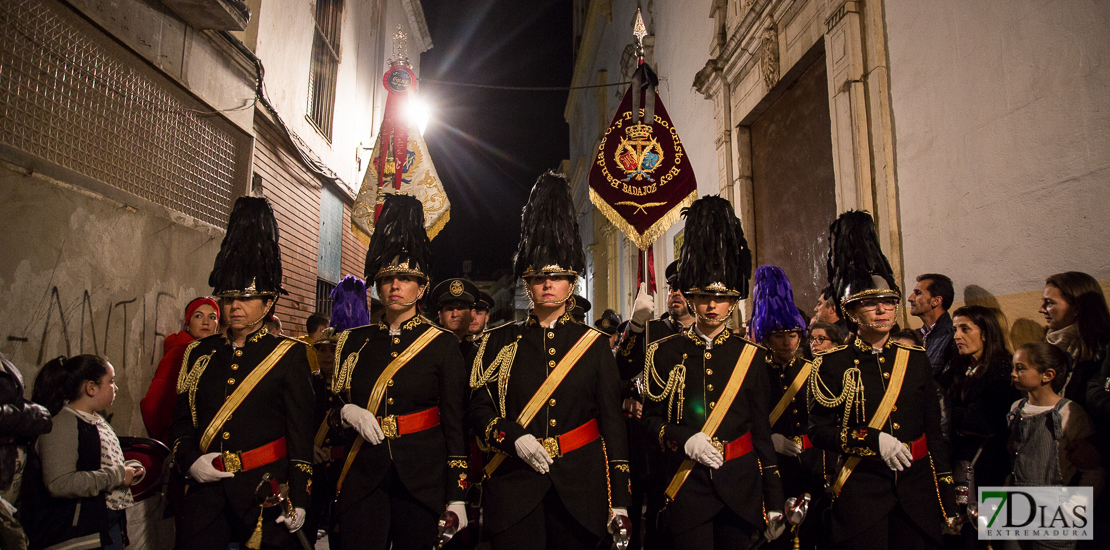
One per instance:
(489, 146)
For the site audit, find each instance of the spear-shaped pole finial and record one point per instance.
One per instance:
(639, 31)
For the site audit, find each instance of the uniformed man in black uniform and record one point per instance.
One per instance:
(562, 478)
(454, 299)
(408, 464)
(777, 324)
(647, 475)
(331, 441)
(895, 489)
(732, 496)
(630, 347)
(608, 323)
(479, 316)
(260, 386)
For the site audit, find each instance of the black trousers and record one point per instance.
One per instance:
(724, 531)
(389, 517)
(228, 527)
(896, 530)
(548, 527)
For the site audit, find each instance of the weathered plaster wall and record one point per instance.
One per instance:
(1002, 130)
(82, 273)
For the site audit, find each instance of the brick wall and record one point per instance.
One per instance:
(294, 193)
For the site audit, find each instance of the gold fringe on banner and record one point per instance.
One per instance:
(657, 229)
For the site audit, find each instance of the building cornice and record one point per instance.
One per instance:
(418, 26)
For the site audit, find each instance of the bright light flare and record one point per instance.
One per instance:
(418, 112)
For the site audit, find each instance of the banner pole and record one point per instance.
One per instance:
(647, 284)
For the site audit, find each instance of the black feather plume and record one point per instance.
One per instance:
(714, 249)
(249, 253)
(855, 255)
(399, 236)
(549, 228)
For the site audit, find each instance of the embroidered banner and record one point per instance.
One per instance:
(641, 176)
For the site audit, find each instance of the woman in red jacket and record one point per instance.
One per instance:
(202, 318)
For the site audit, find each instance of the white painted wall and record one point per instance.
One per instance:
(1002, 131)
(285, 31)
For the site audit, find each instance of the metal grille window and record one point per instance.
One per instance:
(323, 297)
(324, 71)
(71, 95)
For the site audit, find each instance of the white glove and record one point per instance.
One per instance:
(319, 455)
(364, 422)
(785, 446)
(643, 309)
(294, 523)
(894, 453)
(203, 471)
(775, 525)
(530, 451)
(700, 448)
(459, 508)
(617, 512)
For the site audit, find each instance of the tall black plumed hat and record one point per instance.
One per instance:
(249, 261)
(400, 245)
(549, 240)
(857, 267)
(715, 257)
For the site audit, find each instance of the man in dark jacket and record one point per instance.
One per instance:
(929, 302)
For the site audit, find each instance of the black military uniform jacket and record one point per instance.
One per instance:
(590, 479)
(280, 405)
(431, 463)
(748, 485)
(924, 490)
(802, 473)
(630, 348)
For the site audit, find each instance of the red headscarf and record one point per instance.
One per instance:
(203, 300)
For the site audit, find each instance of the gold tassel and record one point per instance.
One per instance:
(255, 542)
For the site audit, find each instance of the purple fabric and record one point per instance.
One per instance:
(349, 304)
(774, 303)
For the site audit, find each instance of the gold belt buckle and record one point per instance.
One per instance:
(232, 463)
(551, 445)
(389, 426)
(719, 445)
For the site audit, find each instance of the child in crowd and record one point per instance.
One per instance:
(1044, 427)
(85, 484)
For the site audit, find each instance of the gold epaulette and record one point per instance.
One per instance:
(901, 345)
(752, 342)
(828, 351)
(595, 329)
(183, 374)
(654, 345)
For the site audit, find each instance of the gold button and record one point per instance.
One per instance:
(551, 351)
(683, 355)
(856, 361)
(886, 375)
(708, 355)
(234, 367)
(709, 387)
(396, 340)
(797, 424)
(327, 440)
(389, 401)
(552, 422)
(238, 352)
(551, 335)
(551, 364)
(230, 381)
(897, 426)
(709, 372)
(393, 354)
(226, 435)
(882, 359)
(552, 402)
(389, 382)
(894, 408)
(712, 404)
